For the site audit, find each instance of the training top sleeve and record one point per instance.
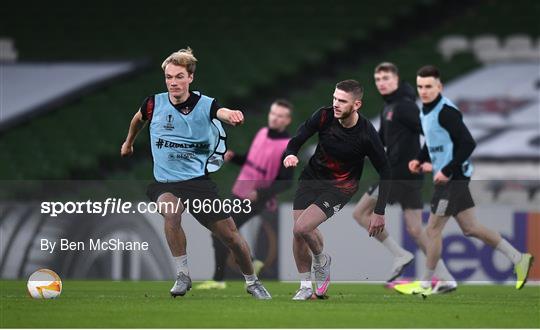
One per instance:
(213, 109)
(147, 108)
(452, 121)
(239, 159)
(423, 155)
(306, 130)
(381, 130)
(377, 157)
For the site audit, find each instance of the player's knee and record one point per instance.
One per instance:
(470, 231)
(299, 230)
(230, 240)
(414, 231)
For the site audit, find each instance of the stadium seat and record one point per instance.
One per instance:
(451, 45)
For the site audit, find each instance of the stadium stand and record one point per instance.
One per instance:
(251, 47)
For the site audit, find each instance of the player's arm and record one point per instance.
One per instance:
(378, 158)
(304, 132)
(135, 126)
(464, 144)
(137, 123)
(381, 130)
(231, 117)
(422, 162)
(233, 157)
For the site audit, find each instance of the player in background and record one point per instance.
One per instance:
(400, 133)
(448, 146)
(330, 179)
(185, 133)
(261, 178)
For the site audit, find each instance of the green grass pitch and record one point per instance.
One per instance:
(97, 304)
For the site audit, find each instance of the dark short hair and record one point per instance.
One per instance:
(429, 71)
(284, 103)
(351, 86)
(387, 67)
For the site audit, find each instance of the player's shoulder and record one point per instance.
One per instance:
(364, 122)
(325, 110)
(323, 115)
(449, 113)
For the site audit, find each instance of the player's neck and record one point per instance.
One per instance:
(181, 99)
(350, 121)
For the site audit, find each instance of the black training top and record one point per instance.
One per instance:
(400, 130)
(452, 121)
(340, 153)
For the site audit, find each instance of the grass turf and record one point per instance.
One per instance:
(97, 304)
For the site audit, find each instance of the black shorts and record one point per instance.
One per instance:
(328, 198)
(200, 188)
(408, 193)
(451, 198)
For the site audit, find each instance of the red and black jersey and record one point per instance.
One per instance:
(339, 156)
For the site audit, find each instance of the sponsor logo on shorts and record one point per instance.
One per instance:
(441, 207)
(337, 208)
(326, 204)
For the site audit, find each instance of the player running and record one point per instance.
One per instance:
(446, 152)
(185, 135)
(330, 179)
(261, 178)
(399, 131)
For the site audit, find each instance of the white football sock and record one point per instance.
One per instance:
(181, 264)
(442, 272)
(393, 247)
(509, 251)
(250, 279)
(305, 280)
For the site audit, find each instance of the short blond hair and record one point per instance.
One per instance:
(183, 57)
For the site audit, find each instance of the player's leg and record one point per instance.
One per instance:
(221, 253)
(303, 260)
(305, 225)
(362, 213)
(306, 228)
(434, 230)
(413, 222)
(227, 232)
(472, 228)
(433, 245)
(176, 239)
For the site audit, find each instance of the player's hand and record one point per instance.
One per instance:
(290, 161)
(440, 178)
(426, 167)
(252, 196)
(126, 150)
(229, 154)
(414, 166)
(236, 117)
(376, 224)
